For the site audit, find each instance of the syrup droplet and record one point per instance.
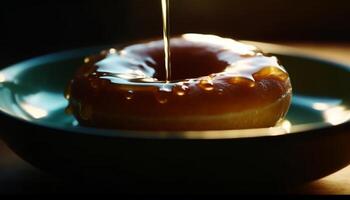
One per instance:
(243, 81)
(129, 95)
(272, 71)
(181, 89)
(163, 93)
(162, 97)
(206, 84)
(251, 84)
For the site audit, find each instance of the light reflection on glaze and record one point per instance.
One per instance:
(223, 43)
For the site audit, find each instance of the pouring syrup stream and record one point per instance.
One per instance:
(166, 36)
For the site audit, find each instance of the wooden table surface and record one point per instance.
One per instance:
(16, 176)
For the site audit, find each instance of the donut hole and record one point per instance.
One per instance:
(187, 62)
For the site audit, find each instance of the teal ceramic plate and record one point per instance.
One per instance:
(309, 144)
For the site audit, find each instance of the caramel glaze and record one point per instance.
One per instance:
(211, 76)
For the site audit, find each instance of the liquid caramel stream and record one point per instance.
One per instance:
(166, 36)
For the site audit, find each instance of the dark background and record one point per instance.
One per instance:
(31, 28)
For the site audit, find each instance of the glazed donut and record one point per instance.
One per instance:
(216, 84)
